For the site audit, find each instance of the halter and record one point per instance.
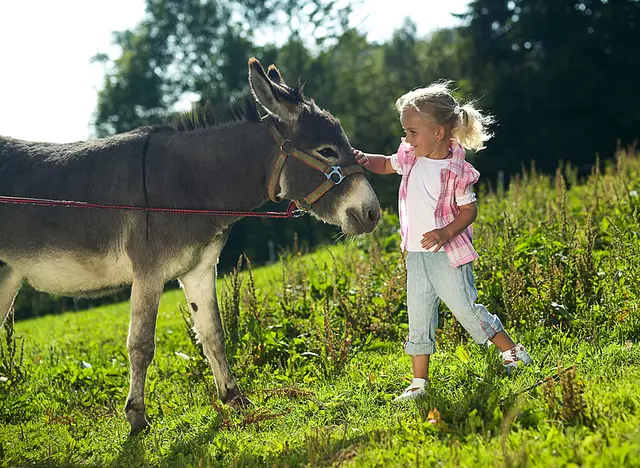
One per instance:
(334, 174)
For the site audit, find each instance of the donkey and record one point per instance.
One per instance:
(232, 165)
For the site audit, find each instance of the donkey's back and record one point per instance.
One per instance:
(73, 168)
(62, 250)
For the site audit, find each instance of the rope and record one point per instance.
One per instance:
(292, 211)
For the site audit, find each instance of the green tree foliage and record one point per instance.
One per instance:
(199, 47)
(561, 77)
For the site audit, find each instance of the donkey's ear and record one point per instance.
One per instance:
(274, 75)
(276, 99)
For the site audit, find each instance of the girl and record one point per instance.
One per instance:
(437, 206)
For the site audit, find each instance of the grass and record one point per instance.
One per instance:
(315, 341)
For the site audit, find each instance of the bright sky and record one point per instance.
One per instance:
(48, 87)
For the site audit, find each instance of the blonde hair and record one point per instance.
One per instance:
(436, 104)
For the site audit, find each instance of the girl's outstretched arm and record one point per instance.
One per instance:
(376, 163)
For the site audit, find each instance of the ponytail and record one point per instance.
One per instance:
(470, 127)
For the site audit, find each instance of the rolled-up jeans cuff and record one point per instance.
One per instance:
(415, 349)
(490, 330)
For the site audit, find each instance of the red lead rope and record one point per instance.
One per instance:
(292, 211)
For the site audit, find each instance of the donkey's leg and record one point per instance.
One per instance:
(199, 286)
(145, 297)
(200, 291)
(10, 282)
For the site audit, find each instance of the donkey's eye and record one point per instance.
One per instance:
(328, 152)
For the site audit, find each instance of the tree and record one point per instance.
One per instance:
(196, 47)
(560, 77)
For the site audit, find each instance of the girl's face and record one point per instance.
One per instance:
(420, 133)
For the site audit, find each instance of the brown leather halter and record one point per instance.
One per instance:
(334, 174)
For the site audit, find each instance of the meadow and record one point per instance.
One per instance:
(315, 341)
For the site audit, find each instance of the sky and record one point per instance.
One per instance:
(49, 87)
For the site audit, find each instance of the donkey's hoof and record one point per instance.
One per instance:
(237, 400)
(139, 429)
(138, 422)
(240, 402)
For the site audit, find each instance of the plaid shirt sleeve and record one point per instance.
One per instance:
(464, 185)
(466, 199)
(396, 164)
(402, 158)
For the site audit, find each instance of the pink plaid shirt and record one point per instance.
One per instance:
(456, 180)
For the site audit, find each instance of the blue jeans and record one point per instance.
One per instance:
(431, 278)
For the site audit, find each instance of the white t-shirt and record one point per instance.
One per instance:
(423, 192)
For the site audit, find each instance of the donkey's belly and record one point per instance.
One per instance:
(75, 275)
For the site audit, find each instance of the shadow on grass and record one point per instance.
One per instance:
(477, 403)
(320, 448)
(132, 453)
(195, 451)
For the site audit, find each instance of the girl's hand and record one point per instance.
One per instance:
(436, 237)
(361, 158)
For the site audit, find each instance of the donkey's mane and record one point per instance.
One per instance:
(205, 115)
(240, 108)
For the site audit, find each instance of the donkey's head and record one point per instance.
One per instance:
(316, 135)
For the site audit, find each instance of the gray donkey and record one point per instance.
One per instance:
(236, 165)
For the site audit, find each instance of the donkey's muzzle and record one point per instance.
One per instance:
(364, 220)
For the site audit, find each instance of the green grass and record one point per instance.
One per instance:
(315, 341)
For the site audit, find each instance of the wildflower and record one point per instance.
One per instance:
(434, 416)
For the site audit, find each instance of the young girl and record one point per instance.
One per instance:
(437, 206)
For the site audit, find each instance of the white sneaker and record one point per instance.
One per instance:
(414, 390)
(516, 357)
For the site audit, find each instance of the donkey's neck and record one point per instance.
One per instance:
(226, 168)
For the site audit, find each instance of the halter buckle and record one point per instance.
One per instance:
(287, 147)
(335, 170)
